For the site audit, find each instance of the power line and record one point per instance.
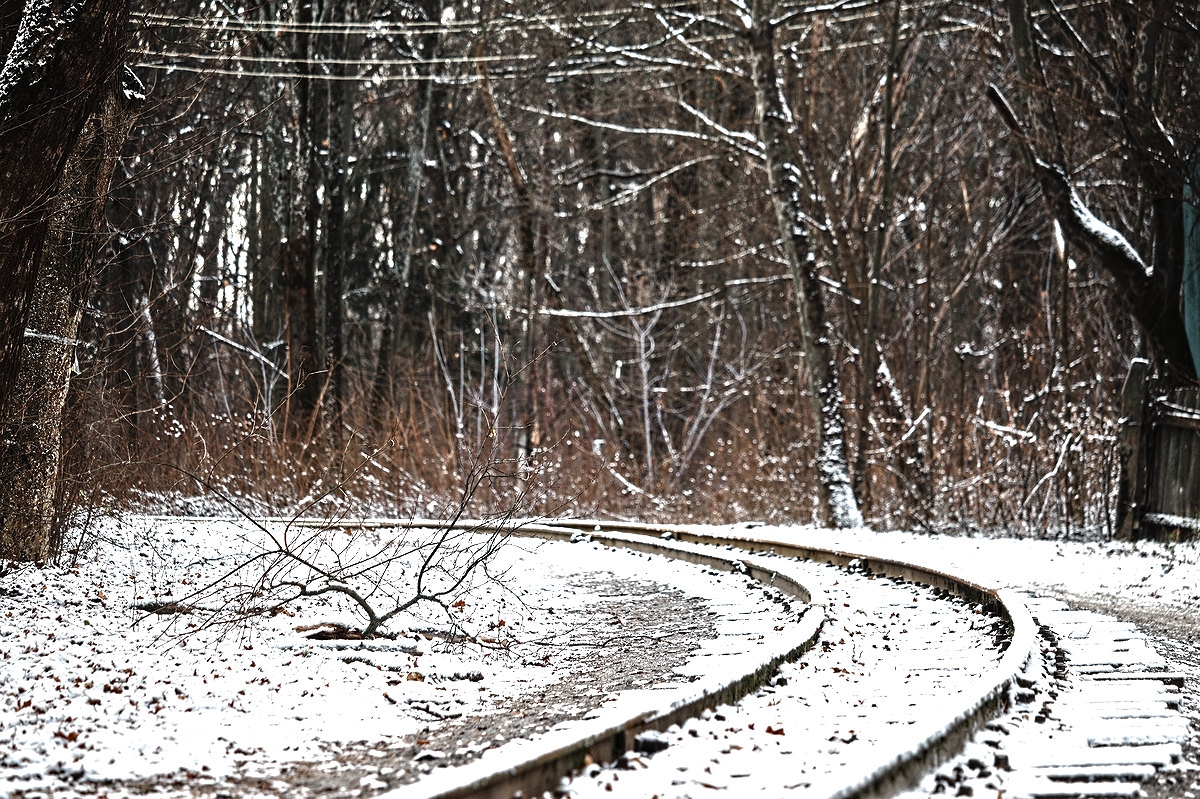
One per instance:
(290, 67)
(464, 78)
(383, 27)
(475, 26)
(345, 62)
(645, 65)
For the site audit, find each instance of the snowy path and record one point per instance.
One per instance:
(97, 696)
(1100, 717)
(1116, 718)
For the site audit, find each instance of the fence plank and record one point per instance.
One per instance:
(1130, 499)
(1172, 494)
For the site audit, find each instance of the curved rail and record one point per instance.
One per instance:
(935, 740)
(528, 768)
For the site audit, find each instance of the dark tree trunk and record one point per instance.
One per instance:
(524, 368)
(301, 324)
(777, 134)
(341, 105)
(61, 56)
(880, 230)
(264, 230)
(33, 430)
(1150, 291)
(395, 283)
(298, 254)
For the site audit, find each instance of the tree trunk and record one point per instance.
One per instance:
(880, 231)
(776, 130)
(1151, 291)
(33, 430)
(341, 120)
(298, 255)
(524, 369)
(404, 228)
(62, 54)
(301, 324)
(264, 233)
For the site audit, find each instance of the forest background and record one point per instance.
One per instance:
(700, 260)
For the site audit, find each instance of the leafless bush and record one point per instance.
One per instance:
(381, 569)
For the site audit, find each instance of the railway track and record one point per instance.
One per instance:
(900, 740)
(921, 680)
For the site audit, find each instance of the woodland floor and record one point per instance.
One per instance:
(98, 699)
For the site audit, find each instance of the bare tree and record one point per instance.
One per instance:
(778, 135)
(1122, 56)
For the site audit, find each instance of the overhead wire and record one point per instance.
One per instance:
(378, 26)
(464, 78)
(518, 24)
(290, 67)
(343, 62)
(643, 67)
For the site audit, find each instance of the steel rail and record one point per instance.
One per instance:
(537, 767)
(938, 739)
(529, 768)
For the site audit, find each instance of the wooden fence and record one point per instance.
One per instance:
(1160, 448)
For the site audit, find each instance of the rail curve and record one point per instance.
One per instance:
(529, 768)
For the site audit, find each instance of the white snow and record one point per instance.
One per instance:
(37, 34)
(1097, 228)
(65, 342)
(869, 694)
(92, 688)
(705, 756)
(1170, 520)
(1145, 573)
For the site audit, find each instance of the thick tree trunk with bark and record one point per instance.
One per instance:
(61, 56)
(777, 133)
(29, 463)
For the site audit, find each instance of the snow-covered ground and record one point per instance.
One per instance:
(97, 695)
(728, 750)
(94, 691)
